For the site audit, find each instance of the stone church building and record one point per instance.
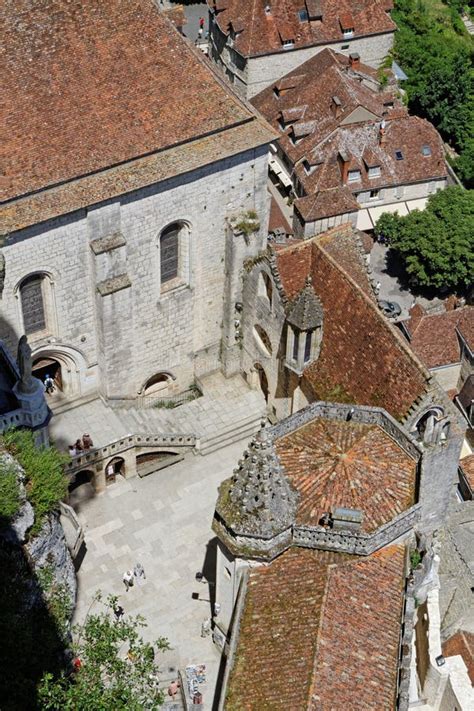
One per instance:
(125, 163)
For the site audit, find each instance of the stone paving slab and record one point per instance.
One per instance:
(163, 522)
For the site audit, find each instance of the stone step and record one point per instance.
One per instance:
(246, 427)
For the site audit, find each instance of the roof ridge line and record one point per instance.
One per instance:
(329, 569)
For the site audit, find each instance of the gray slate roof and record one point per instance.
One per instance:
(306, 311)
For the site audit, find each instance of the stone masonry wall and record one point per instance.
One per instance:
(133, 329)
(262, 71)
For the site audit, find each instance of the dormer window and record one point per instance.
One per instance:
(268, 9)
(307, 167)
(426, 151)
(288, 44)
(347, 25)
(399, 155)
(348, 33)
(353, 176)
(374, 171)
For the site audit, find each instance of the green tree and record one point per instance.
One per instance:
(117, 668)
(436, 245)
(435, 50)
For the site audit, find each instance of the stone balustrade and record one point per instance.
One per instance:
(93, 457)
(356, 542)
(21, 418)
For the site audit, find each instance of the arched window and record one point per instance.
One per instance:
(262, 339)
(265, 288)
(36, 305)
(169, 252)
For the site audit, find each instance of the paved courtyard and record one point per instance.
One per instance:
(164, 522)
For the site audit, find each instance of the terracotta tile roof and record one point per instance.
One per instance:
(89, 85)
(264, 33)
(139, 173)
(318, 630)
(347, 250)
(333, 464)
(313, 85)
(462, 643)
(343, 108)
(467, 466)
(363, 358)
(434, 336)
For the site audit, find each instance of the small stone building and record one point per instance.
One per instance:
(256, 42)
(125, 162)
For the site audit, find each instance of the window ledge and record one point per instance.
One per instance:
(173, 285)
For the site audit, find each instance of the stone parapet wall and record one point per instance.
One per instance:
(356, 413)
(353, 541)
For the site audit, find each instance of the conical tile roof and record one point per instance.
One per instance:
(260, 498)
(306, 312)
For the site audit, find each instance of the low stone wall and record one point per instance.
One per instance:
(356, 413)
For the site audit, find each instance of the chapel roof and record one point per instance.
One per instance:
(319, 629)
(363, 359)
(264, 32)
(434, 337)
(97, 85)
(334, 464)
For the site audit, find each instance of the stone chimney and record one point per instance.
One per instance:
(343, 161)
(354, 60)
(336, 106)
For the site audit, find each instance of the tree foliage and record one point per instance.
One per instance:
(435, 51)
(117, 668)
(436, 245)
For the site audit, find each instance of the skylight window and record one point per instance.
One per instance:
(303, 15)
(398, 155)
(287, 44)
(348, 33)
(426, 150)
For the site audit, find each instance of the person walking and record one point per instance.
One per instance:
(201, 23)
(139, 572)
(128, 580)
(118, 611)
(48, 385)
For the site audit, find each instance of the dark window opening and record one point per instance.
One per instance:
(307, 347)
(296, 344)
(398, 155)
(32, 305)
(303, 15)
(169, 253)
(426, 150)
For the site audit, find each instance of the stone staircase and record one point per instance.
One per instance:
(228, 411)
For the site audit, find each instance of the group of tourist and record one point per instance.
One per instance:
(130, 575)
(81, 445)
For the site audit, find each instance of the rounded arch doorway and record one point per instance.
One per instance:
(262, 379)
(115, 468)
(81, 489)
(64, 366)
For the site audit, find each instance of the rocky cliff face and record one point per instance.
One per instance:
(48, 549)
